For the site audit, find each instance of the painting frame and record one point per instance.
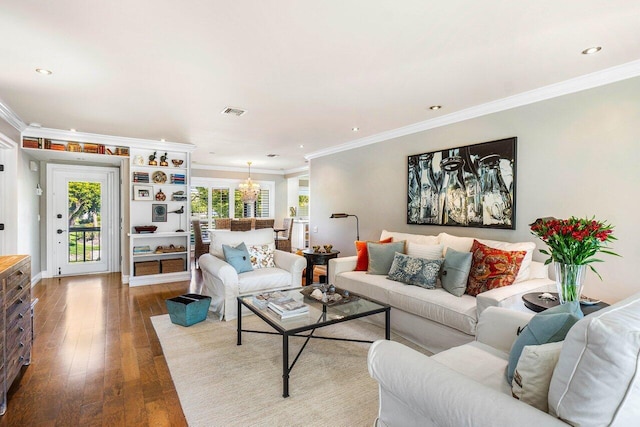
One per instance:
(159, 212)
(465, 186)
(142, 192)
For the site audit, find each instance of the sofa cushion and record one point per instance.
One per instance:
(262, 255)
(381, 256)
(597, 378)
(492, 268)
(533, 374)
(233, 238)
(437, 305)
(424, 251)
(238, 257)
(479, 362)
(547, 326)
(263, 279)
(415, 238)
(362, 264)
(463, 244)
(455, 271)
(415, 271)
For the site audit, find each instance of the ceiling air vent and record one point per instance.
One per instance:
(234, 111)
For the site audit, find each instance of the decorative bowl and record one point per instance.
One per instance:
(177, 162)
(145, 228)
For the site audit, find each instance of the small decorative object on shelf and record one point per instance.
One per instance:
(138, 160)
(573, 244)
(159, 213)
(152, 159)
(177, 162)
(159, 177)
(144, 229)
(328, 248)
(316, 248)
(163, 160)
(160, 196)
(179, 196)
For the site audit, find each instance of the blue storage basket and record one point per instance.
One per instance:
(188, 309)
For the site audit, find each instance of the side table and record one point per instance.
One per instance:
(317, 258)
(532, 302)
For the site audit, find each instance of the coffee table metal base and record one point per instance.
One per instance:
(286, 368)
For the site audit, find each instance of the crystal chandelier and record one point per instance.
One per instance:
(249, 190)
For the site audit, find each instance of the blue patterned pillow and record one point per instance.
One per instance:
(415, 271)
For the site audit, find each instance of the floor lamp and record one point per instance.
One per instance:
(345, 215)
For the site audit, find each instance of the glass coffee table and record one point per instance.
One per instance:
(319, 315)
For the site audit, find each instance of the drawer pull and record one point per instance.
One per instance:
(20, 315)
(21, 329)
(21, 344)
(21, 358)
(20, 301)
(20, 273)
(20, 287)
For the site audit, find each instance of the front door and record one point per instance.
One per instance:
(83, 219)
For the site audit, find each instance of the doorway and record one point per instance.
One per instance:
(82, 219)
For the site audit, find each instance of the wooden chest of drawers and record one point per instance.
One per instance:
(15, 322)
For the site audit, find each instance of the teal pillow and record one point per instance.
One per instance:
(455, 271)
(547, 326)
(238, 257)
(381, 256)
(415, 271)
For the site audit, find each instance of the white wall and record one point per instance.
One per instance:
(577, 155)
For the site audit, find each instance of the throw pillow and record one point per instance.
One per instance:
(362, 263)
(492, 268)
(262, 255)
(381, 256)
(547, 326)
(424, 251)
(238, 257)
(415, 271)
(455, 271)
(533, 373)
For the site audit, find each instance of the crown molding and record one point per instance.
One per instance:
(234, 169)
(11, 117)
(66, 135)
(577, 84)
(6, 142)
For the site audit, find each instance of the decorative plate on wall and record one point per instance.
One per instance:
(159, 177)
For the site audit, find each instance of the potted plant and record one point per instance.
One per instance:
(573, 244)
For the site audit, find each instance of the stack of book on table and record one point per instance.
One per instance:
(288, 307)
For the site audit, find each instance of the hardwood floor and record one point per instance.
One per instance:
(96, 358)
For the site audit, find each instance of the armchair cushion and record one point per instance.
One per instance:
(533, 374)
(262, 255)
(238, 257)
(547, 326)
(234, 238)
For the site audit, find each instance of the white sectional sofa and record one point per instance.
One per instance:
(593, 382)
(434, 318)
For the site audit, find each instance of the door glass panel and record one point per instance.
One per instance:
(85, 225)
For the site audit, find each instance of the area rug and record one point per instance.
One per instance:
(222, 384)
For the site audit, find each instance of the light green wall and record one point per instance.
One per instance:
(577, 155)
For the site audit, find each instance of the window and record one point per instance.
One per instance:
(210, 198)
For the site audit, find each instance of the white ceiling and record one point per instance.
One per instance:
(306, 71)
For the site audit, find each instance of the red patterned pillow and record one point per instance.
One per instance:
(492, 268)
(363, 254)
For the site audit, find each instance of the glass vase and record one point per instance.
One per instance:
(569, 281)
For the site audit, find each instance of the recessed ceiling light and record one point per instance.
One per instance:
(44, 71)
(592, 50)
(162, 140)
(355, 129)
(72, 130)
(435, 107)
(301, 146)
(212, 152)
(35, 125)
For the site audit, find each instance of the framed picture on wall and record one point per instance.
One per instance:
(159, 212)
(142, 192)
(470, 186)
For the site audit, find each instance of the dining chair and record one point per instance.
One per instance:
(222, 223)
(242, 224)
(283, 242)
(201, 248)
(264, 223)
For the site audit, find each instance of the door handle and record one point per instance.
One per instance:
(59, 231)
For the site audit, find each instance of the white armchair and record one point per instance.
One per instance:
(594, 382)
(223, 284)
